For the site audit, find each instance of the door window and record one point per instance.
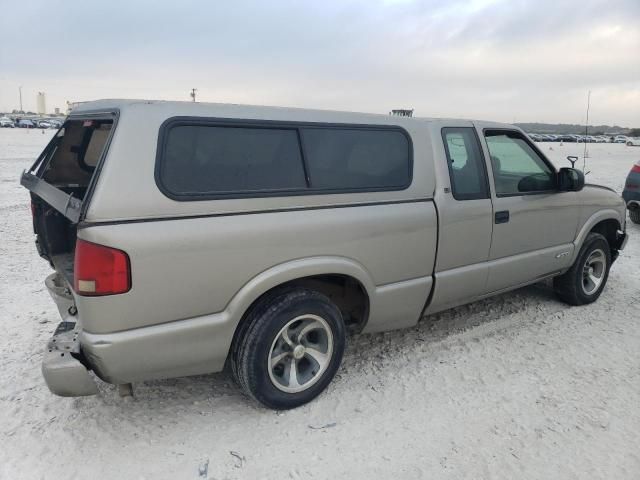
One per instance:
(466, 163)
(517, 167)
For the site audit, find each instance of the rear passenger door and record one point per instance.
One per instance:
(534, 223)
(465, 218)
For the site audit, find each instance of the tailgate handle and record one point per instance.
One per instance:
(502, 216)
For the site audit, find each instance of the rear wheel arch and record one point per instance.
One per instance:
(345, 291)
(343, 281)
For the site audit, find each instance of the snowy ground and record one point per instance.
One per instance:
(515, 387)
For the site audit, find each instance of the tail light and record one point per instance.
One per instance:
(100, 270)
(636, 167)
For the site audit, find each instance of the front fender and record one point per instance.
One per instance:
(592, 221)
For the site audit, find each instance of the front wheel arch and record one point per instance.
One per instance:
(606, 223)
(608, 229)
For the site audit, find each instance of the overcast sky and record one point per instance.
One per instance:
(505, 60)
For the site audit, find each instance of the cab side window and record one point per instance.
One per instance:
(466, 164)
(517, 167)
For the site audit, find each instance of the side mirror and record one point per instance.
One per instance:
(570, 180)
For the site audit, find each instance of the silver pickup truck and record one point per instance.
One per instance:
(188, 238)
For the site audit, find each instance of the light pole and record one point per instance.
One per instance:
(20, 90)
(193, 94)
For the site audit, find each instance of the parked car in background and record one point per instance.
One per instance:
(6, 122)
(620, 139)
(567, 138)
(631, 193)
(186, 237)
(633, 142)
(26, 123)
(43, 124)
(535, 137)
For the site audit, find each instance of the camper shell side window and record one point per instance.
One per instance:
(204, 159)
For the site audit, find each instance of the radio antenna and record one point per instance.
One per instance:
(586, 132)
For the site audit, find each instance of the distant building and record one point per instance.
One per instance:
(56, 111)
(41, 103)
(402, 113)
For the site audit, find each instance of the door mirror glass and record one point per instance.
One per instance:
(570, 180)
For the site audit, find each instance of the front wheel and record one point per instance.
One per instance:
(584, 281)
(290, 349)
(634, 215)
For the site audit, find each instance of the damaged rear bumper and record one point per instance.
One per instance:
(63, 365)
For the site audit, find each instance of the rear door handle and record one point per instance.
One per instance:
(502, 216)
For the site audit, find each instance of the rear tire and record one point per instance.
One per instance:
(290, 348)
(634, 215)
(584, 281)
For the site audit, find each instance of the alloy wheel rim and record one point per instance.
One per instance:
(300, 353)
(593, 271)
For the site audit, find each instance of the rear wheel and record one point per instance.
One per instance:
(290, 349)
(586, 278)
(634, 215)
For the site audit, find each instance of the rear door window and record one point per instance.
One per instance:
(467, 170)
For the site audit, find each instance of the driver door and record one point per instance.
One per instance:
(534, 224)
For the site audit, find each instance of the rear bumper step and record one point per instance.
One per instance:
(62, 366)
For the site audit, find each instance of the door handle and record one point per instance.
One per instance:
(502, 216)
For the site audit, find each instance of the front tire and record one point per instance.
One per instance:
(584, 281)
(290, 348)
(634, 215)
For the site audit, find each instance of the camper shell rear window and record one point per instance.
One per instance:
(201, 159)
(72, 156)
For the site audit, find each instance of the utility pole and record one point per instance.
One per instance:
(193, 94)
(20, 90)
